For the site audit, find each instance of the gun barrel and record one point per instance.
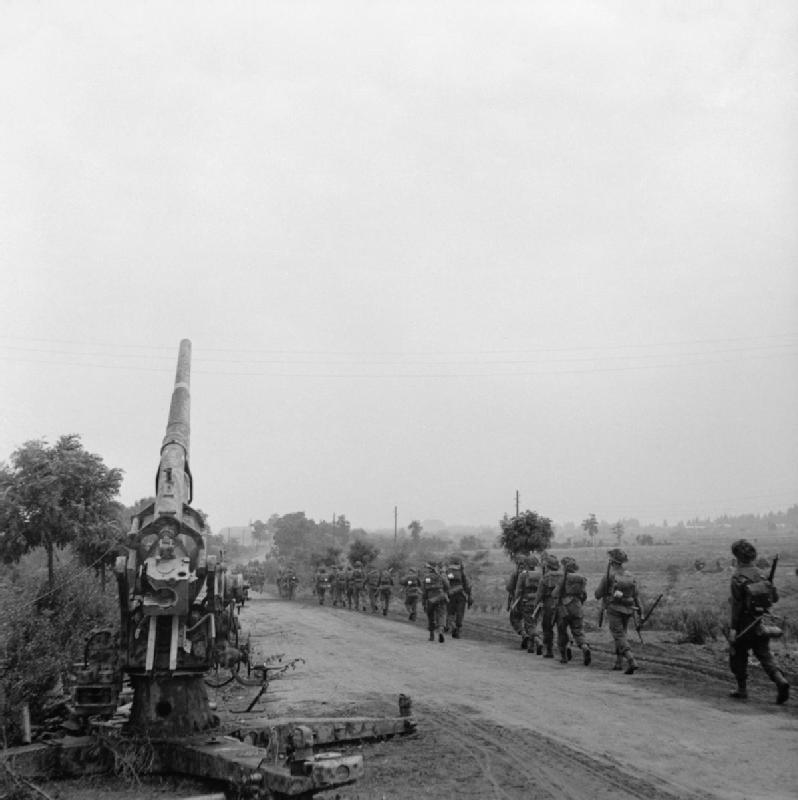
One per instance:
(178, 427)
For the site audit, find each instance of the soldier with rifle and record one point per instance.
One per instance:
(385, 583)
(516, 620)
(526, 589)
(569, 596)
(617, 591)
(545, 599)
(358, 579)
(411, 586)
(459, 595)
(434, 599)
(752, 596)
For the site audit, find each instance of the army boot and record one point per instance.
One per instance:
(563, 657)
(586, 655)
(631, 665)
(783, 688)
(741, 692)
(441, 638)
(532, 644)
(549, 652)
(432, 636)
(456, 633)
(524, 642)
(569, 654)
(618, 661)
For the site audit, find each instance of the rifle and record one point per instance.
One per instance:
(640, 621)
(604, 597)
(773, 565)
(758, 619)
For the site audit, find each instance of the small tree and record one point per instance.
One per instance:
(260, 532)
(55, 496)
(415, 532)
(525, 533)
(617, 531)
(590, 527)
(362, 551)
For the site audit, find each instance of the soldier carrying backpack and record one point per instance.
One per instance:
(752, 596)
(617, 591)
(569, 595)
(459, 595)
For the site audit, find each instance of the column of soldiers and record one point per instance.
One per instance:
(550, 601)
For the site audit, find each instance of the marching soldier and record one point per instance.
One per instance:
(459, 596)
(385, 582)
(544, 598)
(618, 592)
(569, 595)
(358, 586)
(322, 583)
(434, 597)
(526, 589)
(411, 586)
(752, 595)
(373, 588)
(349, 588)
(339, 586)
(516, 620)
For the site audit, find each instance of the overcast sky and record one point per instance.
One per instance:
(428, 254)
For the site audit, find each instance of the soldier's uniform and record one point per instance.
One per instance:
(434, 596)
(349, 585)
(322, 584)
(516, 620)
(373, 588)
(339, 587)
(548, 606)
(358, 586)
(411, 586)
(526, 589)
(385, 583)
(459, 596)
(752, 595)
(569, 595)
(619, 596)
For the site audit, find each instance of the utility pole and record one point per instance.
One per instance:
(395, 523)
(517, 499)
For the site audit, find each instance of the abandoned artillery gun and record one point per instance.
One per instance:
(178, 622)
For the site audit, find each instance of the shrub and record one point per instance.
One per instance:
(43, 632)
(698, 625)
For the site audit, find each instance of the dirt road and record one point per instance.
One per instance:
(497, 722)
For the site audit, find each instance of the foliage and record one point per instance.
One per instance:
(361, 550)
(471, 542)
(698, 625)
(590, 527)
(52, 496)
(42, 633)
(527, 532)
(617, 531)
(298, 538)
(398, 559)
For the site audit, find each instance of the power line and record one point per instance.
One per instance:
(168, 349)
